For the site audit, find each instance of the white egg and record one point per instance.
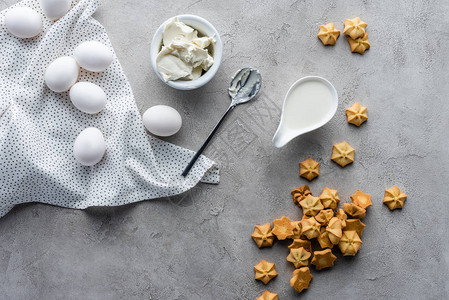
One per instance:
(23, 22)
(162, 120)
(55, 9)
(88, 97)
(62, 74)
(93, 56)
(89, 147)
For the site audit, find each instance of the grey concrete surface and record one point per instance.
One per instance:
(198, 245)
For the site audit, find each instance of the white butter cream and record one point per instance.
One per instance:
(184, 55)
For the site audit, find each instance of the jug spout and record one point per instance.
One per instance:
(283, 136)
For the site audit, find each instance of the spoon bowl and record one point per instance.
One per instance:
(245, 85)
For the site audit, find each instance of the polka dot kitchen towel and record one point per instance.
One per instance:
(38, 127)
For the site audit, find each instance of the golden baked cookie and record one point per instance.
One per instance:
(297, 243)
(311, 206)
(394, 198)
(359, 45)
(343, 154)
(361, 199)
(268, 296)
(305, 217)
(299, 257)
(296, 230)
(355, 225)
(328, 34)
(310, 228)
(342, 216)
(323, 239)
(262, 235)
(355, 28)
(324, 216)
(334, 230)
(350, 243)
(329, 198)
(356, 114)
(282, 228)
(309, 169)
(300, 193)
(301, 279)
(265, 271)
(323, 259)
(354, 210)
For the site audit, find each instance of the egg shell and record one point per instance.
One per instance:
(23, 22)
(162, 120)
(89, 146)
(93, 56)
(62, 74)
(88, 97)
(55, 9)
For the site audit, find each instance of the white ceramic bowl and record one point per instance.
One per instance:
(204, 28)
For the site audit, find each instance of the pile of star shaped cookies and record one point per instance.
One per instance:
(322, 226)
(355, 29)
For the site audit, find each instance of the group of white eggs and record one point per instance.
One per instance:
(62, 76)
(63, 73)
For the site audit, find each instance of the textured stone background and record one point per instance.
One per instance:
(198, 245)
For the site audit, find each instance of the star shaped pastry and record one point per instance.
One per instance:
(342, 216)
(324, 216)
(300, 193)
(265, 271)
(394, 198)
(329, 198)
(323, 259)
(299, 257)
(356, 114)
(309, 169)
(323, 239)
(305, 217)
(298, 243)
(301, 279)
(359, 45)
(262, 235)
(296, 230)
(310, 228)
(355, 225)
(350, 243)
(355, 28)
(311, 206)
(361, 199)
(268, 296)
(282, 228)
(334, 230)
(328, 34)
(343, 154)
(354, 210)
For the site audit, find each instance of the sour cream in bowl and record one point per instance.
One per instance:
(186, 52)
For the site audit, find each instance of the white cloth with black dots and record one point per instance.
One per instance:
(38, 127)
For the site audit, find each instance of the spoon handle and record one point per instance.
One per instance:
(209, 138)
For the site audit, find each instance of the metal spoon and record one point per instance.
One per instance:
(244, 87)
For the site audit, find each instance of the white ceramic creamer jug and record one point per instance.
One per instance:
(309, 104)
